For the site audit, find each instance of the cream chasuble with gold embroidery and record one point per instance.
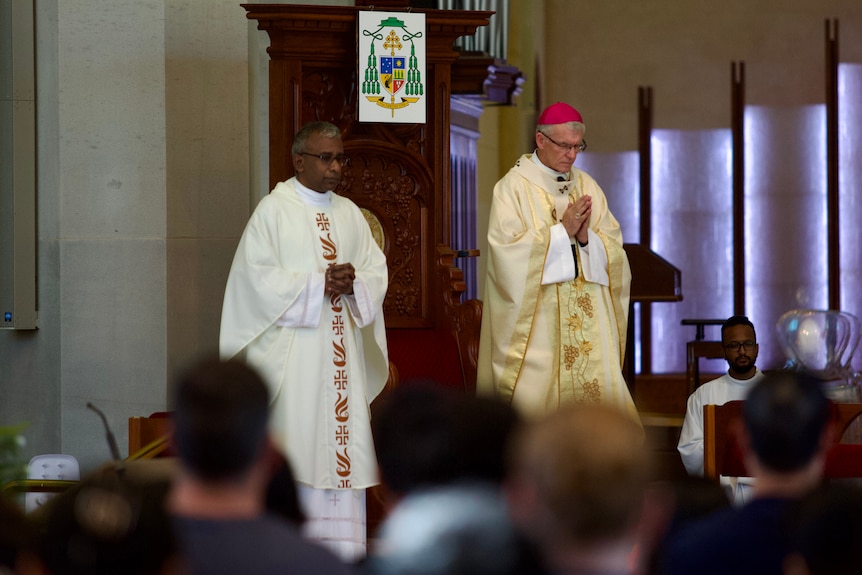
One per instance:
(325, 358)
(548, 337)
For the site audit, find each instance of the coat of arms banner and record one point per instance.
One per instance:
(392, 63)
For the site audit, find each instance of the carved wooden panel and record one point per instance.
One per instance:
(397, 189)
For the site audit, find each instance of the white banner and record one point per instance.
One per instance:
(392, 66)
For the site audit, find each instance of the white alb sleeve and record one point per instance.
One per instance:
(559, 262)
(360, 304)
(305, 311)
(594, 260)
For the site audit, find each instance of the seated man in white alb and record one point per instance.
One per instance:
(740, 350)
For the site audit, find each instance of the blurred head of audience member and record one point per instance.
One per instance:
(672, 505)
(109, 525)
(827, 532)
(786, 433)
(17, 537)
(455, 529)
(577, 488)
(212, 403)
(426, 435)
(221, 437)
(218, 498)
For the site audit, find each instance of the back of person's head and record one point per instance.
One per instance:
(827, 532)
(106, 525)
(482, 430)
(17, 534)
(426, 434)
(735, 320)
(220, 419)
(411, 435)
(785, 416)
(450, 530)
(675, 504)
(587, 468)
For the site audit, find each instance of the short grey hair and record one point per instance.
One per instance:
(579, 126)
(456, 529)
(325, 129)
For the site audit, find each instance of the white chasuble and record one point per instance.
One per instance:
(324, 357)
(546, 343)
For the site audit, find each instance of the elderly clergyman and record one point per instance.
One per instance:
(557, 289)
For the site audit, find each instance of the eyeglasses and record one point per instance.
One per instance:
(328, 157)
(580, 147)
(735, 345)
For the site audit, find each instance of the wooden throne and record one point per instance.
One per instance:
(399, 173)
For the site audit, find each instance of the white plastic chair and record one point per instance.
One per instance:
(49, 466)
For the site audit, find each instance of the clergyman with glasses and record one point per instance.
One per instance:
(555, 315)
(740, 350)
(304, 306)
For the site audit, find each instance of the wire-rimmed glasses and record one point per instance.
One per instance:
(328, 157)
(579, 147)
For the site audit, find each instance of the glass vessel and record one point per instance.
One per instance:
(821, 342)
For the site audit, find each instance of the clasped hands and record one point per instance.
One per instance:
(339, 279)
(576, 219)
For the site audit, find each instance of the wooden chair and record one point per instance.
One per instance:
(694, 352)
(150, 437)
(698, 349)
(723, 456)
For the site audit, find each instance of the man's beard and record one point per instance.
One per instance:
(741, 369)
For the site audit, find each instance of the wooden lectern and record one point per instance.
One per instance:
(653, 279)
